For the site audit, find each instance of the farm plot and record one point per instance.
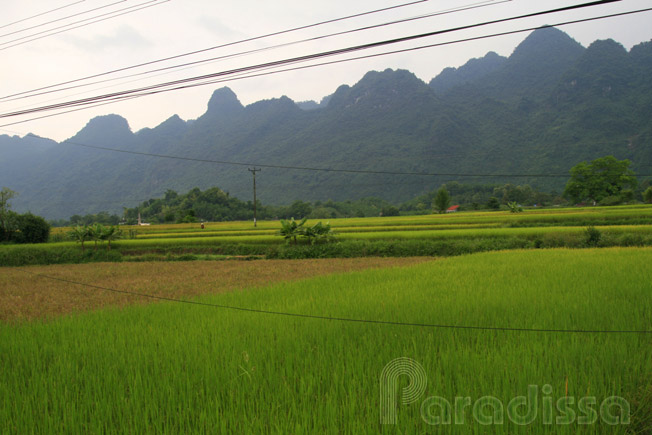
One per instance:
(28, 296)
(173, 367)
(401, 236)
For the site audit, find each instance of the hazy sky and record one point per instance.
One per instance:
(180, 26)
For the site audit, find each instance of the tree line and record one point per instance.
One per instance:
(604, 181)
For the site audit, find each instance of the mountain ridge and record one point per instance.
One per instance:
(493, 115)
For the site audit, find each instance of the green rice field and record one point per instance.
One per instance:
(399, 236)
(471, 224)
(172, 367)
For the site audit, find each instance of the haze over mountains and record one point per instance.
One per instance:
(551, 104)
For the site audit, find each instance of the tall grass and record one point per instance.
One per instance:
(175, 368)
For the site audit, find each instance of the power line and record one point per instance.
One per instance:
(303, 58)
(91, 106)
(305, 168)
(243, 75)
(60, 19)
(145, 5)
(259, 50)
(255, 38)
(41, 14)
(343, 319)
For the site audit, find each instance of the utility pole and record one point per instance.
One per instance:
(253, 171)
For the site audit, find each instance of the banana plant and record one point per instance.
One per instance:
(96, 231)
(318, 232)
(111, 233)
(290, 230)
(514, 207)
(80, 234)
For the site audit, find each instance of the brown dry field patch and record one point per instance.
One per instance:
(25, 297)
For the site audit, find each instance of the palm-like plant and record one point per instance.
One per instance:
(318, 232)
(514, 207)
(96, 231)
(111, 233)
(80, 234)
(290, 230)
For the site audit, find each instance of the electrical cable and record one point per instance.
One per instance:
(305, 58)
(41, 14)
(61, 19)
(304, 168)
(269, 48)
(222, 80)
(145, 5)
(343, 319)
(255, 38)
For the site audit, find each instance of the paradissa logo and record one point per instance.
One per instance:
(489, 410)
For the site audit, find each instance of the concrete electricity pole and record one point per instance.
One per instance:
(253, 171)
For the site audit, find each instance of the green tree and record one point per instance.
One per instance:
(647, 195)
(6, 195)
(299, 209)
(493, 203)
(603, 177)
(390, 210)
(31, 229)
(442, 200)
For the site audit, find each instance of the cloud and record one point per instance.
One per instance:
(123, 36)
(218, 28)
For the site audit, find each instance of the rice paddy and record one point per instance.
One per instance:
(29, 296)
(179, 368)
(305, 346)
(471, 225)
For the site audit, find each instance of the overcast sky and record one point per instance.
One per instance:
(180, 26)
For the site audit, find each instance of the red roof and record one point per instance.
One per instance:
(453, 208)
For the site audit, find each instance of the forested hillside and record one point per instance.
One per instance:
(550, 105)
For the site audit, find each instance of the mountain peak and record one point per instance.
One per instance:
(223, 102)
(536, 65)
(105, 127)
(378, 89)
(108, 121)
(546, 41)
(173, 121)
(473, 70)
(171, 125)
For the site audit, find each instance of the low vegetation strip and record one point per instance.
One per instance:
(27, 296)
(199, 369)
(380, 244)
(432, 235)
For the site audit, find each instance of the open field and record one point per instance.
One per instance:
(26, 296)
(173, 367)
(576, 216)
(400, 236)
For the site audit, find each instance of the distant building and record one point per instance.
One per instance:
(141, 223)
(453, 209)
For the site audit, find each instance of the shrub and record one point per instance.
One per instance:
(647, 195)
(514, 207)
(389, 211)
(611, 200)
(31, 229)
(493, 203)
(593, 236)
